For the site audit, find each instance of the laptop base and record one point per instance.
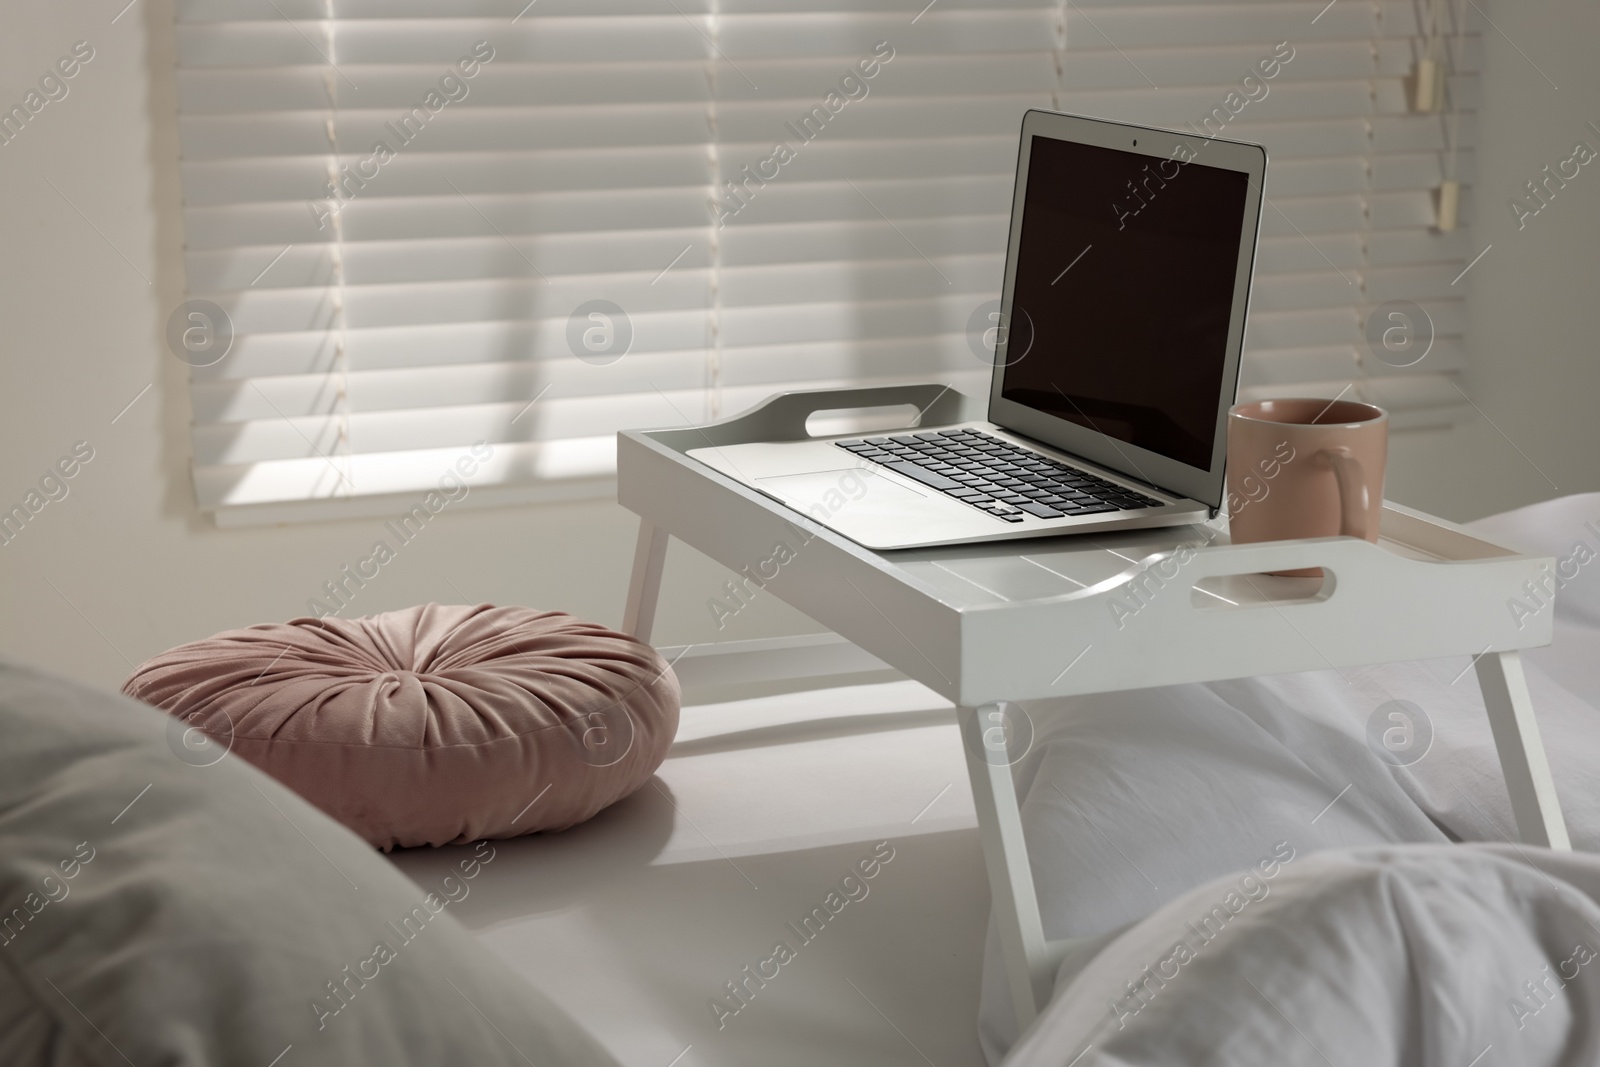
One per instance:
(877, 506)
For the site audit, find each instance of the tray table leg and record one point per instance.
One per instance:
(644, 589)
(1005, 854)
(1522, 756)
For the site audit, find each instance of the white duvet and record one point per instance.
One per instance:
(1422, 955)
(1133, 800)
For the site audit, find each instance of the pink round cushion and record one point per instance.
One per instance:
(429, 725)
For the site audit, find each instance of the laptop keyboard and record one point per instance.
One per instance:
(996, 476)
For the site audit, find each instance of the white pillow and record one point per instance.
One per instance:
(159, 907)
(1568, 529)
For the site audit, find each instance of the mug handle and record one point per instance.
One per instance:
(1354, 498)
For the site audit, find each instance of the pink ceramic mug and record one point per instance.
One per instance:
(1305, 467)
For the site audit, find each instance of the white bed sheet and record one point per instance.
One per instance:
(634, 921)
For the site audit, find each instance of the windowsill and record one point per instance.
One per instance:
(332, 509)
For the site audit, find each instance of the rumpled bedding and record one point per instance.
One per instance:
(1423, 955)
(1130, 801)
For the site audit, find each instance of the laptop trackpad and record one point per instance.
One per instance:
(824, 494)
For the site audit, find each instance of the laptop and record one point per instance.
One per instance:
(1115, 357)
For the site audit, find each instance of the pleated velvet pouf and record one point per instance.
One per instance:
(435, 724)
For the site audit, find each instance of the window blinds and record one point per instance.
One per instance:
(587, 216)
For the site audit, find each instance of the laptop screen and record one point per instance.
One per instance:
(1124, 285)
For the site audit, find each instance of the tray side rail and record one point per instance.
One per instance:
(782, 417)
(1154, 629)
(848, 589)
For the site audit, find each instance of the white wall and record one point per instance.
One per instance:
(81, 335)
(1533, 301)
(124, 567)
(1533, 375)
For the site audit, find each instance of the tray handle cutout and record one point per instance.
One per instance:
(831, 422)
(1231, 577)
(785, 417)
(1254, 590)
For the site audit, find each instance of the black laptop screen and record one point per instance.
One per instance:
(1125, 275)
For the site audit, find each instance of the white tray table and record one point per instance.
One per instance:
(1023, 620)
